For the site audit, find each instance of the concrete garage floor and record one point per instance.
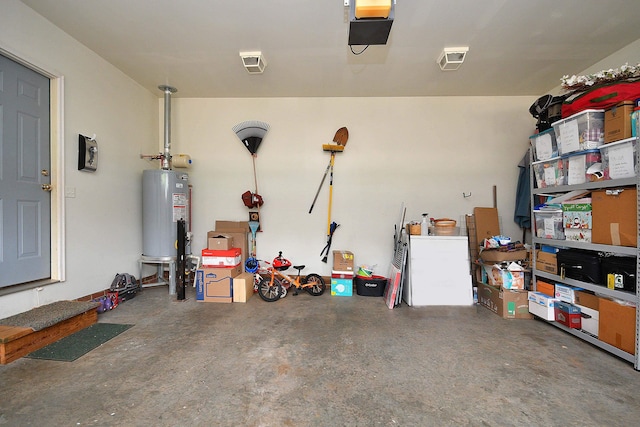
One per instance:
(322, 361)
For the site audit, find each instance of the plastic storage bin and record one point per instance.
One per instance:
(544, 145)
(580, 166)
(549, 173)
(581, 131)
(370, 286)
(549, 223)
(619, 159)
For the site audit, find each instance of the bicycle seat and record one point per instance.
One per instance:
(299, 267)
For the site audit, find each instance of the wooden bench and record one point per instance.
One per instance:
(29, 331)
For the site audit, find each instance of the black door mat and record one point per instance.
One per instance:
(72, 347)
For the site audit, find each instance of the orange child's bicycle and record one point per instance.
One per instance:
(274, 282)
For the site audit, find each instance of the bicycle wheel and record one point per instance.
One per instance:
(270, 292)
(314, 284)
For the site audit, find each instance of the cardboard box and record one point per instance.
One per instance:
(243, 287)
(343, 261)
(547, 262)
(590, 320)
(542, 305)
(495, 255)
(586, 299)
(239, 231)
(215, 284)
(577, 235)
(487, 223)
(508, 304)
(508, 278)
(545, 288)
(221, 242)
(617, 325)
(341, 274)
(566, 293)
(341, 287)
(617, 122)
(221, 258)
(568, 315)
(577, 214)
(614, 217)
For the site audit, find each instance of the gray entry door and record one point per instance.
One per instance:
(25, 205)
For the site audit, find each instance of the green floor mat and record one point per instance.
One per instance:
(72, 347)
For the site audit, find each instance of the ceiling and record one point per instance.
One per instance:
(516, 47)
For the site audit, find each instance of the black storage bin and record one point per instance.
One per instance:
(579, 265)
(370, 286)
(619, 272)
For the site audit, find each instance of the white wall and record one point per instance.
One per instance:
(629, 54)
(425, 152)
(103, 221)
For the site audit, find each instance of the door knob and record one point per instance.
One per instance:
(46, 187)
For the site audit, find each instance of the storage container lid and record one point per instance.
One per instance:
(573, 116)
(613, 144)
(546, 161)
(547, 210)
(535, 135)
(578, 153)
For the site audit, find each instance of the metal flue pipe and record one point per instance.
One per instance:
(166, 157)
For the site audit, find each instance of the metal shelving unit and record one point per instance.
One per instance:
(621, 250)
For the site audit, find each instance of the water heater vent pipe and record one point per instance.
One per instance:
(166, 157)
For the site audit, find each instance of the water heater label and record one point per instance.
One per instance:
(179, 199)
(179, 212)
(179, 206)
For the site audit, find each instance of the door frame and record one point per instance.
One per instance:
(56, 143)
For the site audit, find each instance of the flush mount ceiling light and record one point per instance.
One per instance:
(254, 62)
(452, 58)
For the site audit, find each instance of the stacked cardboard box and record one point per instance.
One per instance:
(222, 277)
(215, 284)
(542, 305)
(342, 273)
(577, 219)
(614, 217)
(589, 305)
(506, 303)
(498, 289)
(617, 122)
(617, 324)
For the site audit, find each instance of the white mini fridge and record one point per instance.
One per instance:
(438, 271)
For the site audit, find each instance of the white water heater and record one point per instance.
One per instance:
(165, 200)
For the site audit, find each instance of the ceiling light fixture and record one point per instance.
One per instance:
(452, 58)
(254, 62)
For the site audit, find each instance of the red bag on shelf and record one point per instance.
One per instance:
(601, 97)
